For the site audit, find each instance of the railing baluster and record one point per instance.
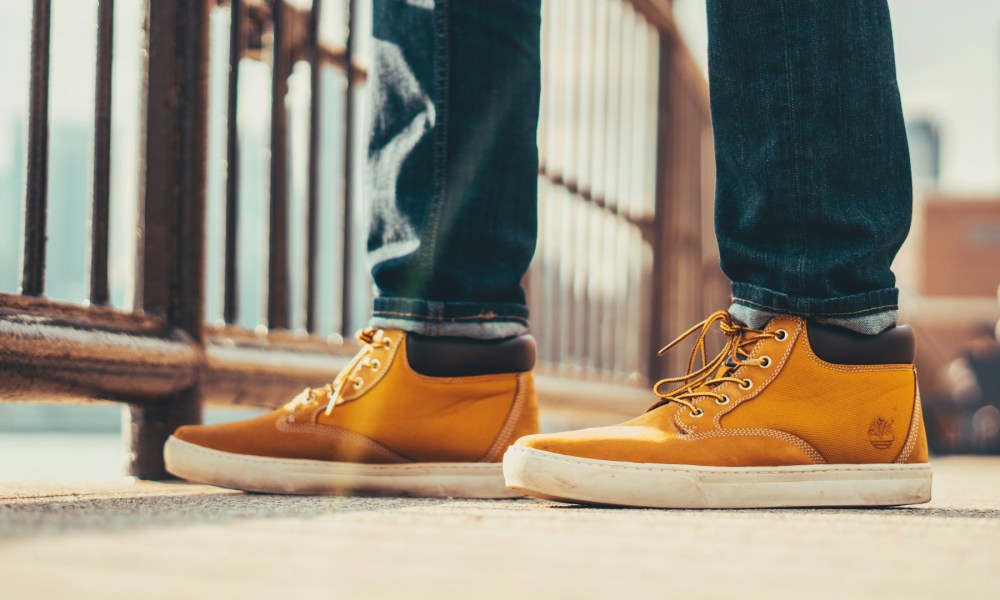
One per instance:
(662, 323)
(629, 196)
(611, 177)
(564, 206)
(172, 281)
(607, 84)
(346, 315)
(544, 314)
(36, 189)
(626, 69)
(603, 345)
(577, 217)
(277, 272)
(237, 43)
(590, 249)
(315, 118)
(102, 156)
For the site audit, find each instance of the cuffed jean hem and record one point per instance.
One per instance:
(452, 319)
(869, 313)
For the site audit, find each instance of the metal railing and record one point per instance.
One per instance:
(626, 258)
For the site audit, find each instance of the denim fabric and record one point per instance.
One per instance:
(813, 195)
(813, 191)
(453, 164)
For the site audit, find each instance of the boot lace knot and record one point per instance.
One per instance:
(702, 381)
(371, 340)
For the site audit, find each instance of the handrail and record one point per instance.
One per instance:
(162, 360)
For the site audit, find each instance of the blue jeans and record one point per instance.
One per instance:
(453, 164)
(813, 192)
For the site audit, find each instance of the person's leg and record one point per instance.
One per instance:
(443, 382)
(813, 194)
(453, 164)
(813, 202)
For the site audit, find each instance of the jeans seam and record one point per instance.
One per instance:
(441, 318)
(874, 309)
(441, 78)
(438, 308)
(796, 179)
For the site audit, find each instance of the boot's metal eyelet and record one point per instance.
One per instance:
(723, 400)
(376, 365)
(358, 382)
(764, 361)
(387, 343)
(781, 335)
(745, 385)
(694, 414)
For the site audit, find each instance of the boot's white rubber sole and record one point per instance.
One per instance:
(590, 481)
(296, 476)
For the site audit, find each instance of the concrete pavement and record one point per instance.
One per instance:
(154, 540)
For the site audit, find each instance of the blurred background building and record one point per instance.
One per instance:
(948, 62)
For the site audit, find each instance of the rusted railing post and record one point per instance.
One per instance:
(278, 298)
(347, 282)
(172, 218)
(101, 198)
(36, 188)
(687, 281)
(662, 271)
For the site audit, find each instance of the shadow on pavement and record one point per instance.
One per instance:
(146, 505)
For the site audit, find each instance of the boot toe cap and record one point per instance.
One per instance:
(619, 443)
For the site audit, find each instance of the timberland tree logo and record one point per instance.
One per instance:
(880, 433)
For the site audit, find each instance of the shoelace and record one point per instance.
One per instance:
(370, 339)
(700, 383)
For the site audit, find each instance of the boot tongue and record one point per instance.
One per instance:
(724, 369)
